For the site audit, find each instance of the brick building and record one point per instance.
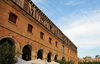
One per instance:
(33, 33)
(89, 59)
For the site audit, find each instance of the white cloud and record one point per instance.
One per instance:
(73, 2)
(83, 28)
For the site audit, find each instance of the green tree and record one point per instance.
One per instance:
(63, 61)
(96, 56)
(7, 53)
(89, 63)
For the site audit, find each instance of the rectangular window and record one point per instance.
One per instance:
(12, 17)
(50, 40)
(41, 35)
(56, 44)
(30, 28)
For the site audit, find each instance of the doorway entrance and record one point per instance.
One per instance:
(26, 53)
(49, 57)
(40, 54)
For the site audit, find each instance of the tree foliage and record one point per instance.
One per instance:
(96, 56)
(64, 61)
(7, 53)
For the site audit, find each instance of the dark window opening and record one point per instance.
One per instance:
(12, 17)
(56, 44)
(50, 40)
(30, 28)
(26, 53)
(41, 35)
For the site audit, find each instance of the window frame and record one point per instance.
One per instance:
(50, 40)
(41, 35)
(56, 44)
(30, 28)
(12, 17)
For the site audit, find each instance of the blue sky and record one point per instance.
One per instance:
(78, 19)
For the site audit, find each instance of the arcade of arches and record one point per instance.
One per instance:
(27, 54)
(27, 51)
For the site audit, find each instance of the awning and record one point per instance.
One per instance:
(37, 61)
(53, 62)
(21, 61)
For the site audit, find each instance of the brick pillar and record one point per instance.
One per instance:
(33, 55)
(44, 56)
(52, 58)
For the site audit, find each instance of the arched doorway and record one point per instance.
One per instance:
(40, 54)
(55, 58)
(49, 57)
(26, 53)
(7, 50)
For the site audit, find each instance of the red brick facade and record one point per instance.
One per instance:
(60, 45)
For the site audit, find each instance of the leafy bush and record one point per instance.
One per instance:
(64, 61)
(7, 53)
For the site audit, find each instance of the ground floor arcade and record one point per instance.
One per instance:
(29, 49)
